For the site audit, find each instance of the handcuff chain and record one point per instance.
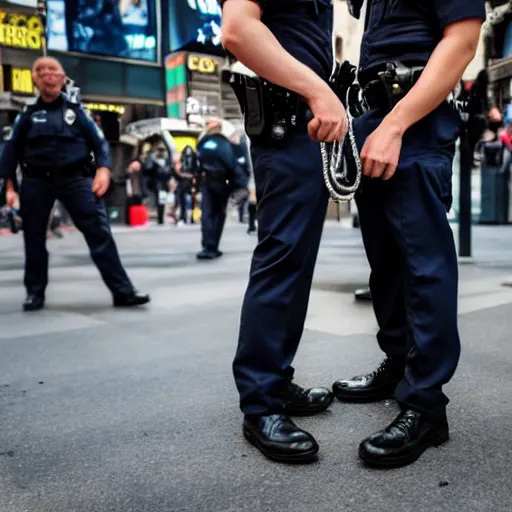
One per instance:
(336, 166)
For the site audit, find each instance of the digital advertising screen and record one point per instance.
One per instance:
(194, 22)
(114, 28)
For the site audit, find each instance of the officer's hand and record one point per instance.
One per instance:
(12, 198)
(381, 151)
(330, 122)
(101, 181)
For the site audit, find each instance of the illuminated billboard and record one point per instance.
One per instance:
(113, 28)
(23, 31)
(194, 21)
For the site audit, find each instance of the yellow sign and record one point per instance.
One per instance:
(21, 81)
(202, 64)
(21, 31)
(104, 107)
(182, 141)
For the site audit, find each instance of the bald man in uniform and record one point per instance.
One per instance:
(52, 140)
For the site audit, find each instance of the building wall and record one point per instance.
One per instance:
(349, 30)
(478, 63)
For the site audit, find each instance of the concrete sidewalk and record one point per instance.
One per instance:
(136, 411)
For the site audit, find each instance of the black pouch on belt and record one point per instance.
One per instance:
(250, 96)
(255, 116)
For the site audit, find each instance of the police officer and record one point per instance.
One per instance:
(289, 44)
(52, 140)
(219, 170)
(407, 142)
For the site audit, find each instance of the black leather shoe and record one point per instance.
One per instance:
(376, 386)
(403, 441)
(279, 439)
(208, 254)
(363, 294)
(305, 402)
(130, 300)
(33, 303)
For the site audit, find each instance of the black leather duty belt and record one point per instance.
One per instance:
(76, 170)
(215, 176)
(384, 90)
(270, 111)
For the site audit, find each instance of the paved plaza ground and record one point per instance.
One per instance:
(136, 411)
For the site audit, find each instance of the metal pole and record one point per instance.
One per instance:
(466, 163)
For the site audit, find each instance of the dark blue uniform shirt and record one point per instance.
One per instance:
(409, 30)
(216, 154)
(52, 136)
(304, 29)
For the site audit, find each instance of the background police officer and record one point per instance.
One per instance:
(220, 176)
(407, 146)
(289, 44)
(52, 140)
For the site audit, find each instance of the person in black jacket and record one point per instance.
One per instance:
(157, 168)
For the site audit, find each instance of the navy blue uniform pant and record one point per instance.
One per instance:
(411, 251)
(292, 204)
(214, 202)
(89, 216)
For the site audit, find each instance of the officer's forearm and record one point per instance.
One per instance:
(441, 74)
(254, 45)
(9, 185)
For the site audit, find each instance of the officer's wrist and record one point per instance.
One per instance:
(316, 89)
(398, 120)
